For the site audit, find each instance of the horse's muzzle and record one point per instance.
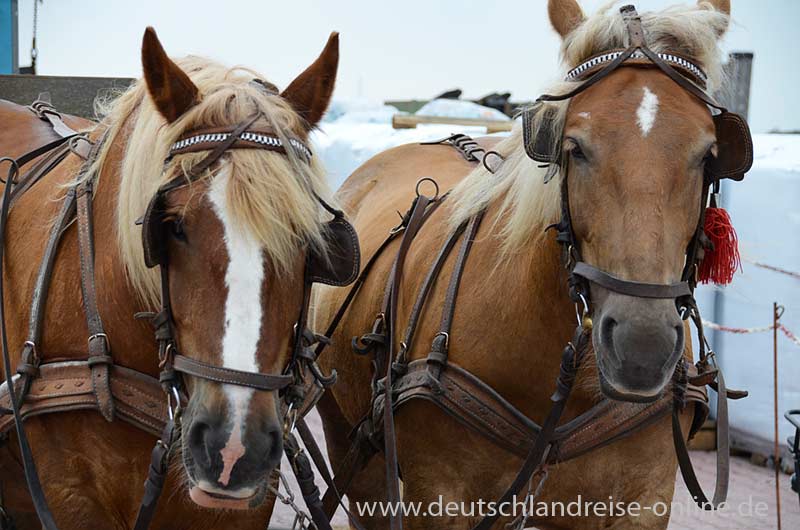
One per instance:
(638, 342)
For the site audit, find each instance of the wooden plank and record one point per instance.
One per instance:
(706, 437)
(402, 121)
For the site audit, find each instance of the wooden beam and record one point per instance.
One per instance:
(403, 121)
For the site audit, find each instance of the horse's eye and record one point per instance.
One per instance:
(710, 155)
(577, 153)
(177, 231)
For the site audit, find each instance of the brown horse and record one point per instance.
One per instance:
(238, 238)
(637, 143)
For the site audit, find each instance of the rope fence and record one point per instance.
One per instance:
(773, 268)
(745, 331)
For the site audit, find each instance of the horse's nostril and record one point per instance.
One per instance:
(607, 326)
(199, 441)
(274, 446)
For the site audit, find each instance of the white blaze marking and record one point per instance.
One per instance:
(244, 277)
(586, 115)
(646, 113)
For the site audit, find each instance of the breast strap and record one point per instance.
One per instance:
(67, 386)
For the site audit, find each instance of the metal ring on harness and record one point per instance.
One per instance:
(578, 314)
(486, 157)
(173, 411)
(428, 179)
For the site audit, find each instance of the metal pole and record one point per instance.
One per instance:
(776, 315)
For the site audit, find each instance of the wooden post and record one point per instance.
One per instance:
(735, 96)
(777, 312)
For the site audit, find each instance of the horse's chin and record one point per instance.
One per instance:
(616, 394)
(218, 501)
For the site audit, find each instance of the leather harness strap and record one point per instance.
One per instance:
(66, 386)
(631, 288)
(31, 475)
(100, 359)
(385, 362)
(220, 374)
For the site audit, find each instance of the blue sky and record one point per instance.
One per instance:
(389, 50)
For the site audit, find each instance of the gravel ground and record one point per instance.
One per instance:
(751, 497)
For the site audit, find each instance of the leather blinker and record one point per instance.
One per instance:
(540, 145)
(341, 262)
(153, 241)
(735, 147)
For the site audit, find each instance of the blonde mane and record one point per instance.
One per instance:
(269, 194)
(526, 204)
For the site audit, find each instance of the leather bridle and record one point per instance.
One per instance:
(155, 249)
(686, 74)
(337, 263)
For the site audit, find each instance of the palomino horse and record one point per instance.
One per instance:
(635, 146)
(239, 212)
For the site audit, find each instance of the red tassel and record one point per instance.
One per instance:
(722, 260)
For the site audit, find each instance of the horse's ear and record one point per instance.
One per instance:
(565, 15)
(310, 93)
(723, 6)
(171, 89)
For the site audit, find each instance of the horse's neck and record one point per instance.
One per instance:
(64, 329)
(132, 340)
(527, 299)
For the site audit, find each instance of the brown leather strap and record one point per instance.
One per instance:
(415, 222)
(67, 386)
(628, 287)
(723, 454)
(430, 278)
(31, 475)
(47, 112)
(42, 167)
(252, 138)
(437, 357)
(570, 360)
(156, 476)
(358, 455)
(100, 359)
(365, 270)
(219, 149)
(479, 407)
(229, 376)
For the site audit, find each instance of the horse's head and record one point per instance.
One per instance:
(235, 235)
(635, 145)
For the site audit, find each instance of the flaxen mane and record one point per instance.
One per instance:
(269, 194)
(526, 204)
